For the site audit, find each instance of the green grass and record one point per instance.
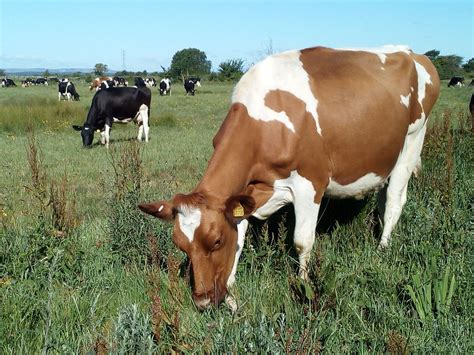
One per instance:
(76, 293)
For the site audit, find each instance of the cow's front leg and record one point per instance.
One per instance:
(241, 230)
(107, 135)
(306, 217)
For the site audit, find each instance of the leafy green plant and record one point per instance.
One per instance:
(432, 295)
(132, 333)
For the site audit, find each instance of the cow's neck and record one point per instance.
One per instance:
(232, 165)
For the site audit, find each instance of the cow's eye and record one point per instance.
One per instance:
(217, 243)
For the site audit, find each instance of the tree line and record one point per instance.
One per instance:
(193, 62)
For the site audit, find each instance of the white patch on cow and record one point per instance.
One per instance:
(381, 52)
(241, 230)
(424, 79)
(405, 100)
(396, 196)
(357, 189)
(189, 219)
(382, 68)
(284, 72)
(411, 89)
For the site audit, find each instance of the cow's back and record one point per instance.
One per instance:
(337, 113)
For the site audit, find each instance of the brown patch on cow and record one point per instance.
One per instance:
(313, 160)
(362, 120)
(193, 199)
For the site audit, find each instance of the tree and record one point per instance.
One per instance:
(2, 72)
(469, 66)
(231, 69)
(46, 74)
(100, 69)
(190, 61)
(432, 54)
(447, 65)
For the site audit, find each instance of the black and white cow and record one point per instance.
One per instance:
(190, 85)
(471, 106)
(456, 81)
(41, 81)
(7, 83)
(26, 83)
(67, 91)
(139, 82)
(107, 84)
(471, 83)
(116, 105)
(150, 82)
(165, 86)
(119, 81)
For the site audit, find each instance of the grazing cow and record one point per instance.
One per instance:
(456, 81)
(150, 82)
(120, 105)
(26, 83)
(119, 81)
(7, 83)
(95, 84)
(67, 91)
(302, 125)
(107, 84)
(165, 86)
(41, 81)
(190, 84)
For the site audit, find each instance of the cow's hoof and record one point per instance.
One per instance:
(231, 303)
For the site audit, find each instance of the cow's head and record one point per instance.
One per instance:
(76, 96)
(206, 230)
(87, 134)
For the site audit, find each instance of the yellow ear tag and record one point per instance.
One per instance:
(238, 211)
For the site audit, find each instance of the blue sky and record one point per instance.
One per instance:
(74, 33)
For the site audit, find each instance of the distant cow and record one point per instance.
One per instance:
(139, 82)
(471, 83)
(150, 82)
(95, 84)
(116, 105)
(41, 81)
(107, 84)
(456, 81)
(26, 83)
(7, 83)
(119, 81)
(190, 84)
(67, 91)
(165, 86)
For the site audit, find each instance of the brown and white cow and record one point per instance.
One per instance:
(302, 125)
(95, 84)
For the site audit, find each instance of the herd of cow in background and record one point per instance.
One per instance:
(136, 97)
(65, 86)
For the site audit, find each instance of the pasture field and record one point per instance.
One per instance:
(83, 271)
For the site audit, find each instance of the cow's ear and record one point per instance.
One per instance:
(77, 128)
(239, 207)
(160, 209)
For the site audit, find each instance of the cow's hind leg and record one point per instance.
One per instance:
(394, 196)
(143, 122)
